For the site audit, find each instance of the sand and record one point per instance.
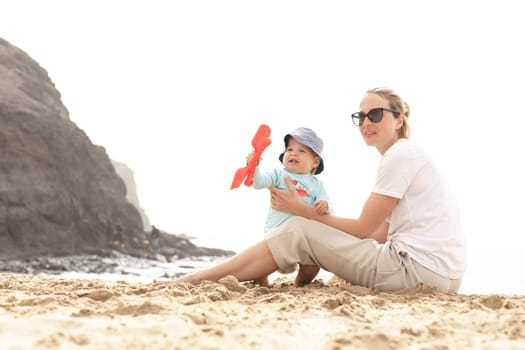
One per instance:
(39, 312)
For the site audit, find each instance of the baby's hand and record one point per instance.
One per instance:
(320, 206)
(250, 157)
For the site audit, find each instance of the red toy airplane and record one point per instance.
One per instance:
(260, 141)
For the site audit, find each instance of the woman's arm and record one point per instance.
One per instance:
(370, 224)
(381, 234)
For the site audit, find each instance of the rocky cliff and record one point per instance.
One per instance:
(59, 193)
(131, 191)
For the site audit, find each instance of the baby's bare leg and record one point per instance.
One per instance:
(306, 274)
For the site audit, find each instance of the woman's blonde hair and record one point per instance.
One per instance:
(398, 105)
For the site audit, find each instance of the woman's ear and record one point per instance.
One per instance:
(400, 121)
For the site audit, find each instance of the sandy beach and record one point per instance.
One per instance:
(53, 313)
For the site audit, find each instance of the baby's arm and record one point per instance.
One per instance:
(261, 179)
(250, 156)
(322, 203)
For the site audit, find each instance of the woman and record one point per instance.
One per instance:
(408, 231)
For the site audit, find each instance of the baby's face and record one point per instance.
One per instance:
(299, 158)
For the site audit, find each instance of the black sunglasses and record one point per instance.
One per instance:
(375, 115)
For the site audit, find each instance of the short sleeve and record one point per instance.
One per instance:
(395, 172)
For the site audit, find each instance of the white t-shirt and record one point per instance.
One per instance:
(425, 222)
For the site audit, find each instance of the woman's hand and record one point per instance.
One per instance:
(287, 200)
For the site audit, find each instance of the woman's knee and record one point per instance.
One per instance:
(294, 225)
(295, 222)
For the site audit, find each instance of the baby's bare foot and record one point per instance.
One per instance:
(306, 274)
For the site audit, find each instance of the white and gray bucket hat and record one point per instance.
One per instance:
(308, 138)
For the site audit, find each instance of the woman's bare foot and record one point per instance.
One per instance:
(263, 281)
(336, 279)
(306, 274)
(156, 284)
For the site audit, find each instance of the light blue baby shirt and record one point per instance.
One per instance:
(309, 187)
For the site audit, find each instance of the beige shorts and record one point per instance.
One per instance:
(359, 261)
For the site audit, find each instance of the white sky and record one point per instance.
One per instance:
(176, 90)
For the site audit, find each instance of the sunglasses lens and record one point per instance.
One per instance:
(375, 115)
(358, 118)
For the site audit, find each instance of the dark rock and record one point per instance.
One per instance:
(177, 247)
(119, 265)
(60, 194)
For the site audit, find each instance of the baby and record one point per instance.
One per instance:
(302, 161)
